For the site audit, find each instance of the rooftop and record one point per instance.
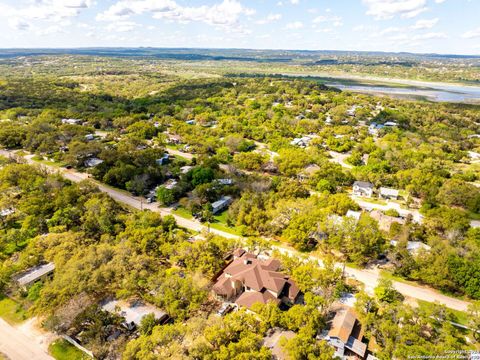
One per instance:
(260, 278)
(133, 312)
(272, 341)
(342, 325)
(388, 191)
(35, 273)
(363, 184)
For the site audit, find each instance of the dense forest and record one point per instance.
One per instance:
(287, 152)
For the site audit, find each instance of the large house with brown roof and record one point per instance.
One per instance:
(346, 335)
(248, 280)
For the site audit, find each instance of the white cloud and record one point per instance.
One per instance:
(19, 24)
(324, 30)
(439, 1)
(49, 30)
(295, 2)
(270, 18)
(391, 29)
(122, 26)
(334, 20)
(387, 9)
(54, 10)
(226, 13)
(430, 36)
(425, 24)
(475, 33)
(294, 25)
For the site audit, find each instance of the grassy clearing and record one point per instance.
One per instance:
(460, 317)
(182, 212)
(41, 160)
(221, 224)
(63, 350)
(11, 311)
(474, 216)
(374, 201)
(388, 275)
(173, 147)
(225, 228)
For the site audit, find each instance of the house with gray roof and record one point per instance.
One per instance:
(221, 204)
(387, 193)
(363, 188)
(34, 275)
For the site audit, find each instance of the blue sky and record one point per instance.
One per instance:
(442, 26)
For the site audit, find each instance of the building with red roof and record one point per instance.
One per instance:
(248, 280)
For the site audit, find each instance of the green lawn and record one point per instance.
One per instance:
(63, 350)
(41, 160)
(474, 216)
(388, 275)
(182, 212)
(374, 201)
(225, 228)
(221, 224)
(11, 311)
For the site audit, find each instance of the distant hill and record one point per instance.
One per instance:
(323, 57)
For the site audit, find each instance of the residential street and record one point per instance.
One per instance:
(366, 205)
(18, 346)
(368, 277)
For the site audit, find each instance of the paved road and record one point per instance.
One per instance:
(367, 277)
(18, 346)
(416, 216)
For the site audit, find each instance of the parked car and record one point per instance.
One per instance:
(225, 309)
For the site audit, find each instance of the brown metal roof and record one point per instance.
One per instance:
(342, 325)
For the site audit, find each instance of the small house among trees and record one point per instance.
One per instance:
(363, 188)
(34, 275)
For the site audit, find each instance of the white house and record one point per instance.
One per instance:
(92, 162)
(354, 214)
(302, 142)
(363, 188)
(163, 160)
(72, 121)
(134, 312)
(387, 193)
(413, 247)
(221, 204)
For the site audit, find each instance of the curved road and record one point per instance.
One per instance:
(367, 277)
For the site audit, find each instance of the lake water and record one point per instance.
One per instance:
(434, 92)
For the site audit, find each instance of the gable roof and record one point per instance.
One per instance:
(35, 273)
(257, 275)
(363, 184)
(249, 298)
(388, 191)
(342, 325)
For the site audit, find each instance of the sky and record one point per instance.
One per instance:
(420, 26)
